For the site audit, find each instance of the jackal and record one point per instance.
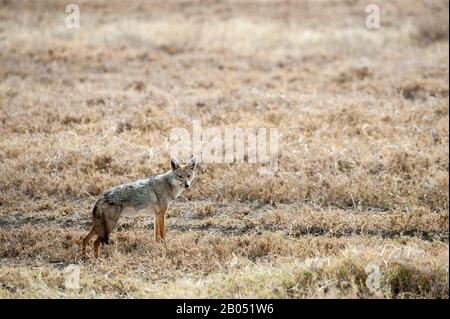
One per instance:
(147, 196)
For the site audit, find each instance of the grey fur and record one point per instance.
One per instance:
(139, 194)
(136, 193)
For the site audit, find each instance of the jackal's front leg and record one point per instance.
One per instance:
(162, 228)
(159, 227)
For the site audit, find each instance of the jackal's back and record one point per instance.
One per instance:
(138, 193)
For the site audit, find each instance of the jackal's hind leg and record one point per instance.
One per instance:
(86, 241)
(96, 246)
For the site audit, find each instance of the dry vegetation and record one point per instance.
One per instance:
(363, 154)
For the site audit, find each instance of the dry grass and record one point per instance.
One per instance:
(363, 157)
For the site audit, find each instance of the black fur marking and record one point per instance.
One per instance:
(105, 240)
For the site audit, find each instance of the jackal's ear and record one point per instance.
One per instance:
(192, 163)
(174, 164)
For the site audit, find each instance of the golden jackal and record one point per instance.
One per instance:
(147, 196)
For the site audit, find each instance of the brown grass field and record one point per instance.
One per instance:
(363, 150)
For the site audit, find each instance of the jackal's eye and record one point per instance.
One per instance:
(180, 177)
(189, 176)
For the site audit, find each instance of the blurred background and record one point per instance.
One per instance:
(363, 151)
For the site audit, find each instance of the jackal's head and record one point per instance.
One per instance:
(182, 176)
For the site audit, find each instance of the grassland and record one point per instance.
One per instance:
(363, 153)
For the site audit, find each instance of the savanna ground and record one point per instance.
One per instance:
(363, 152)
